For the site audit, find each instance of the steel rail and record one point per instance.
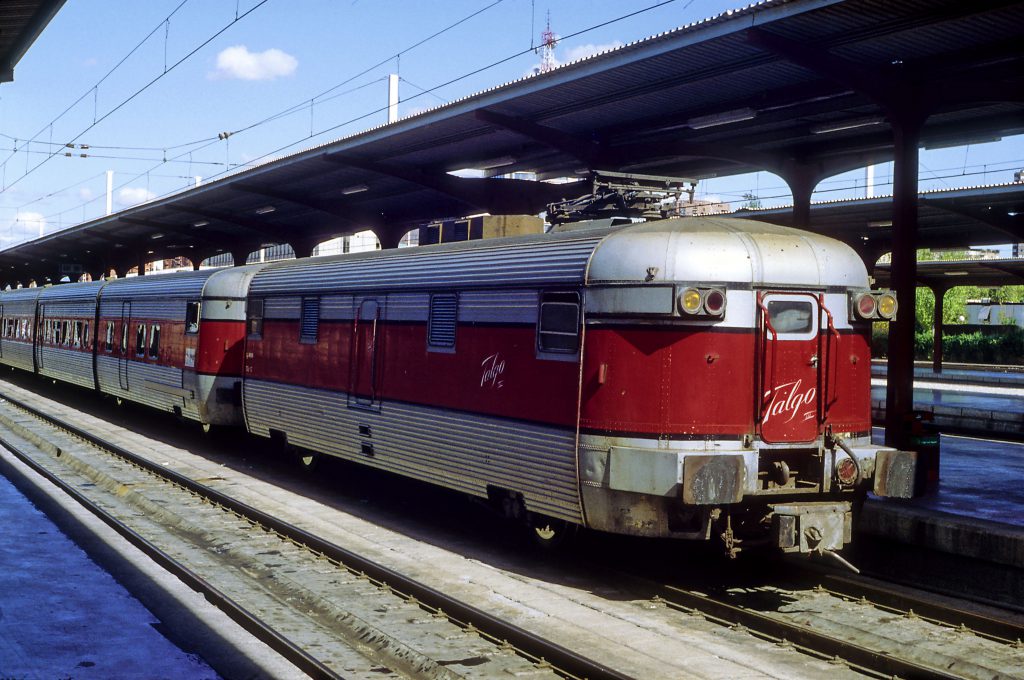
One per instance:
(931, 610)
(534, 647)
(800, 636)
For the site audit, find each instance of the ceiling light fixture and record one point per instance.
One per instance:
(265, 210)
(851, 124)
(499, 162)
(355, 189)
(723, 118)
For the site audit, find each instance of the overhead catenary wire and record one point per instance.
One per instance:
(142, 89)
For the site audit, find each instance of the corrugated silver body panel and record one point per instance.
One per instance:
(73, 366)
(20, 302)
(18, 354)
(139, 374)
(551, 259)
(458, 450)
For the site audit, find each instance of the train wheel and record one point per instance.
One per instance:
(551, 534)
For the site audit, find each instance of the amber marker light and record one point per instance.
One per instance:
(689, 301)
(887, 305)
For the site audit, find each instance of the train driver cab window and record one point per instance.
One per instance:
(154, 341)
(558, 327)
(192, 318)
(791, 316)
(309, 321)
(108, 337)
(140, 340)
(254, 319)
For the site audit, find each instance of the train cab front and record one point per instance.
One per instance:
(733, 410)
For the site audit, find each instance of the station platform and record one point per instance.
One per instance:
(62, 616)
(977, 513)
(979, 399)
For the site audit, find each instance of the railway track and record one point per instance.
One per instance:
(849, 621)
(329, 611)
(872, 627)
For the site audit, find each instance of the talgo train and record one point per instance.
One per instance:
(691, 378)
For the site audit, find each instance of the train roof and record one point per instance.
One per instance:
(709, 249)
(725, 250)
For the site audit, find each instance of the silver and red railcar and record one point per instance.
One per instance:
(172, 342)
(683, 378)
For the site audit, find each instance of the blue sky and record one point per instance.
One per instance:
(323, 65)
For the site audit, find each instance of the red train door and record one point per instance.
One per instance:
(364, 370)
(790, 329)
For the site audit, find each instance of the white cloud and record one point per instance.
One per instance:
(239, 62)
(86, 194)
(578, 52)
(134, 195)
(589, 50)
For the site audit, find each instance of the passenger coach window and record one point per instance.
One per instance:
(85, 335)
(154, 341)
(78, 334)
(254, 319)
(441, 325)
(108, 340)
(124, 337)
(140, 340)
(558, 329)
(192, 317)
(309, 322)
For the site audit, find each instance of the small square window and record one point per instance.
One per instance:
(558, 328)
(254, 319)
(192, 318)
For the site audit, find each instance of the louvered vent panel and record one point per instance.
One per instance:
(444, 312)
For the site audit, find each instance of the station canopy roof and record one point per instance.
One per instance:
(805, 88)
(945, 274)
(21, 22)
(948, 218)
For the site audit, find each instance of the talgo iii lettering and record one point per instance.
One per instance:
(788, 399)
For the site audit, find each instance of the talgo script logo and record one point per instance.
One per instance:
(788, 400)
(493, 368)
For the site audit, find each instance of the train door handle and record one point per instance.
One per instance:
(813, 361)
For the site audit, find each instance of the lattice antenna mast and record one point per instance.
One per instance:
(548, 41)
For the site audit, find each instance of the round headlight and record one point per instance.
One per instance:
(866, 305)
(714, 302)
(689, 301)
(887, 305)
